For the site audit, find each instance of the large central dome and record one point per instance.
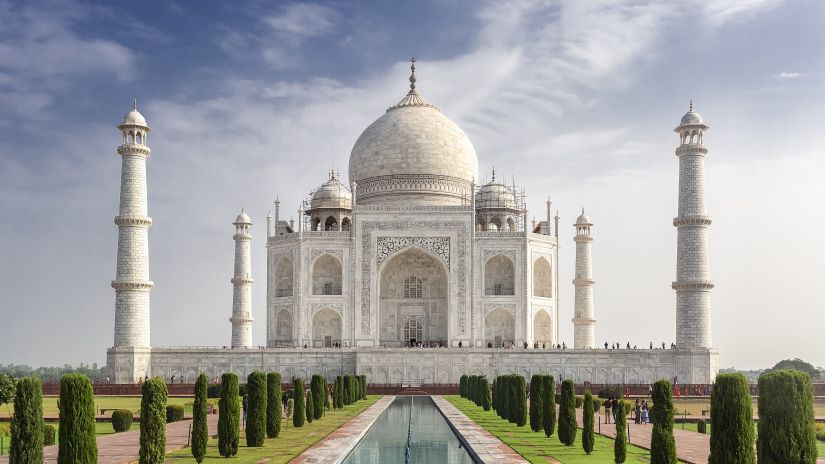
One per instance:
(413, 155)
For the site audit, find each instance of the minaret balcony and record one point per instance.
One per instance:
(241, 319)
(129, 149)
(696, 149)
(132, 284)
(137, 221)
(241, 280)
(692, 220)
(693, 285)
(584, 282)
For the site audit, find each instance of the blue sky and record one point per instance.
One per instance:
(249, 100)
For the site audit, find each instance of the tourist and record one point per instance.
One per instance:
(628, 345)
(563, 346)
(460, 344)
(615, 406)
(638, 408)
(525, 345)
(608, 405)
(543, 346)
(605, 345)
(645, 418)
(663, 345)
(245, 404)
(651, 345)
(107, 379)
(173, 379)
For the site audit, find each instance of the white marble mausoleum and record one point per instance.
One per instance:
(413, 251)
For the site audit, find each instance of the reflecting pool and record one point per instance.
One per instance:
(416, 420)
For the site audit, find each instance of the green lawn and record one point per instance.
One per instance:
(820, 448)
(131, 403)
(101, 428)
(535, 447)
(287, 446)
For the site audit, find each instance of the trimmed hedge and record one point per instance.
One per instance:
(548, 416)
(27, 422)
(787, 433)
(662, 443)
(567, 413)
(338, 392)
(462, 386)
(364, 386)
(200, 429)
(536, 408)
(174, 413)
(620, 443)
(299, 415)
(229, 416)
(49, 434)
(274, 408)
(702, 427)
(347, 390)
(588, 433)
(122, 420)
(76, 433)
(579, 401)
(309, 404)
(256, 411)
(732, 440)
(153, 410)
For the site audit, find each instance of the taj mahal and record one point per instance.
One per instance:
(412, 271)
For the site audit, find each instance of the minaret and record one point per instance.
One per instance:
(132, 284)
(583, 322)
(693, 284)
(242, 285)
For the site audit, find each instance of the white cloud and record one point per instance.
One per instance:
(303, 19)
(719, 12)
(787, 75)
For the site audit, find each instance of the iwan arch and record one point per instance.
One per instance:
(412, 251)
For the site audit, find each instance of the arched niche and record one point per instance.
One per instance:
(283, 278)
(499, 276)
(542, 279)
(413, 287)
(542, 328)
(499, 328)
(282, 328)
(326, 276)
(326, 328)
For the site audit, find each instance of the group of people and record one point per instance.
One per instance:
(612, 408)
(618, 346)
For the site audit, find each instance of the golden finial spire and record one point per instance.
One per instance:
(134, 104)
(412, 74)
(691, 105)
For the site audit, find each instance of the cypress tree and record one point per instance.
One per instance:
(256, 412)
(732, 440)
(662, 444)
(27, 422)
(485, 394)
(511, 399)
(567, 413)
(200, 430)
(620, 443)
(76, 434)
(494, 395)
(357, 384)
(548, 402)
(588, 437)
(337, 394)
(274, 408)
(318, 389)
(462, 386)
(299, 414)
(787, 432)
(153, 421)
(347, 390)
(470, 385)
(364, 385)
(229, 415)
(535, 402)
(310, 406)
(521, 401)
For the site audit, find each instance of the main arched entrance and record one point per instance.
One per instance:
(413, 304)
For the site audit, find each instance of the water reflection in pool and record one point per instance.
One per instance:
(432, 439)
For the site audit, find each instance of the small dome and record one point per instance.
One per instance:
(134, 116)
(243, 218)
(332, 194)
(494, 194)
(691, 117)
(583, 219)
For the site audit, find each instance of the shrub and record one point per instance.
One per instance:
(608, 392)
(364, 386)
(152, 424)
(346, 390)
(462, 386)
(588, 433)
(626, 407)
(174, 413)
(256, 412)
(27, 422)
(200, 429)
(76, 433)
(820, 432)
(290, 407)
(7, 388)
(213, 391)
(579, 401)
(548, 417)
(339, 392)
(535, 402)
(273, 404)
(310, 407)
(485, 394)
(786, 427)
(597, 404)
(299, 415)
(48, 434)
(567, 413)
(702, 427)
(732, 440)
(122, 420)
(318, 389)
(229, 416)
(662, 444)
(620, 443)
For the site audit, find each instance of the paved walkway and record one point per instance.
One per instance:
(335, 446)
(124, 447)
(486, 446)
